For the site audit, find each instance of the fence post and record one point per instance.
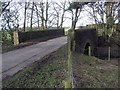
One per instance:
(89, 51)
(15, 37)
(109, 53)
(68, 83)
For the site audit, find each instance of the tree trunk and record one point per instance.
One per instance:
(75, 19)
(37, 17)
(46, 14)
(61, 25)
(25, 16)
(42, 18)
(31, 16)
(57, 20)
(63, 15)
(72, 19)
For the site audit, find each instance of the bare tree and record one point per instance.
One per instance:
(46, 19)
(4, 6)
(58, 14)
(32, 9)
(42, 16)
(37, 13)
(111, 17)
(41, 9)
(63, 13)
(104, 14)
(77, 7)
(97, 9)
(25, 12)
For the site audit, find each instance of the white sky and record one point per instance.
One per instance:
(85, 20)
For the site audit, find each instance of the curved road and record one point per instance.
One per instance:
(16, 60)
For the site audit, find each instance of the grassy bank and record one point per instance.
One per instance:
(90, 72)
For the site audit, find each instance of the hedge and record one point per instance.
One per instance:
(25, 36)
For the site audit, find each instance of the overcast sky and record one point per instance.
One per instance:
(83, 21)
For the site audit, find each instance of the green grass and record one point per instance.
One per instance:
(48, 74)
(90, 72)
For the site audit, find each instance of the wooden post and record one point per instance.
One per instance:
(15, 37)
(69, 52)
(68, 83)
(109, 53)
(89, 51)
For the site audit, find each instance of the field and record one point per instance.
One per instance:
(88, 72)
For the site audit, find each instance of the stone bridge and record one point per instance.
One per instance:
(85, 38)
(88, 37)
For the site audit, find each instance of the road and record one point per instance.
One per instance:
(16, 60)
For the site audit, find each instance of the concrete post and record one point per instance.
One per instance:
(15, 37)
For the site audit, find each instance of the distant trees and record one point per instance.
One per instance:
(41, 9)
(36, 12)
(41, 14)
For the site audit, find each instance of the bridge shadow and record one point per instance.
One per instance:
(86, 50)
(102, 53)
